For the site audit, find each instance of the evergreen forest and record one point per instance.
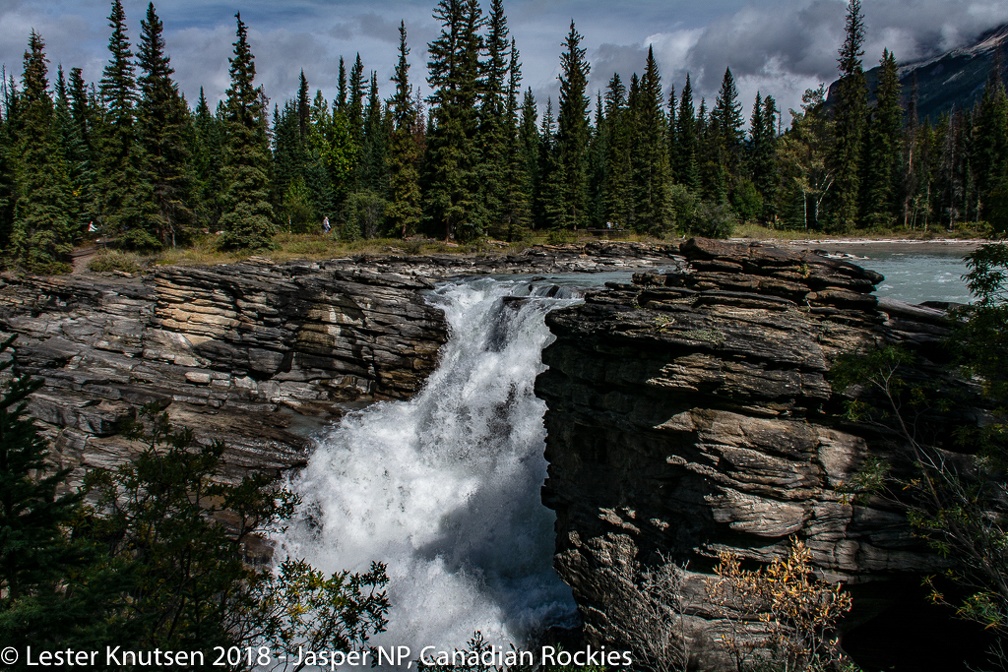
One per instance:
(129, 160)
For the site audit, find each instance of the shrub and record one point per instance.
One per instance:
(112, 261)
(799, 612)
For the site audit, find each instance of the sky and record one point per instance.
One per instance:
(776, 47)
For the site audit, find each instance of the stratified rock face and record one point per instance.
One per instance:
(690, 413)
(248, 353)
(255, 354)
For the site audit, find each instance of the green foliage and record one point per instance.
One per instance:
(43, 233)
(247, 218)
(955, 494)
(696, 217)
(850, 114)
(179, 575)
(571, 195)
(116, 261)
(747, 201)
(39, 563)
(363, 215)
(162, 127)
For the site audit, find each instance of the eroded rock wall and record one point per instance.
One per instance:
(691, 413)
(252, 353)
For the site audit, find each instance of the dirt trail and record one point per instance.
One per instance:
(80, 258)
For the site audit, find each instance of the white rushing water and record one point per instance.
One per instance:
(445, 488)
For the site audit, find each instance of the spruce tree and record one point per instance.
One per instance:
(651, 176)
(528, 148)
(617, 188)
(75, 153)
(883, 169)
(550, 202)
(850, 116)
(516, 201)
(451, 197)
(990, 155)
(572, 136)
(494, 131)
(82, 160)
(762, 153)
(685, 167)
(374, 152)
(125, 193)
(162, 127)
(404, 154)
(206, 150)
(39, 564)
(247, 219)
(726, 119)
(43, 229)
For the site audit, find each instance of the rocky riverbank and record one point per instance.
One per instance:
(691, 413)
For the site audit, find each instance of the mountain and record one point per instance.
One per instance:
(951, 80)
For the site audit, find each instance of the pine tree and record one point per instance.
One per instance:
(404, 154)
(572, 135)
(650, 166)
(38, 562)
(850, 115)
(494, 131)
(516, 202)
(685, 167)
(43, 232)
(162, 125)
(725, 146)
(762, 154)
(452, 182)
(883, 169)
(617, 189)
(125, 194)
(529, 150)
(247, 218)
(990, 156)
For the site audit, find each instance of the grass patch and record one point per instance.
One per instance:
(116, 261)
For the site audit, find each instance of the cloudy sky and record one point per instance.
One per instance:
(780, 47)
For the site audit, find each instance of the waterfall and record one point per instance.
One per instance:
(444, 488)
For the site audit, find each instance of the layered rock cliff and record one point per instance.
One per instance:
(256, 354)
(691, 413)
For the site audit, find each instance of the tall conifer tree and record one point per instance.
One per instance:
(247, 218)
(43, 233)
(124, 191)
(850, 115)
(651, 176)
(162, 124)
(451, 198)
(572, 135)
(404, 154)
(685, 168)
(884, 151)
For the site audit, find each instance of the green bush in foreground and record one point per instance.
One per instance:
(149, 563)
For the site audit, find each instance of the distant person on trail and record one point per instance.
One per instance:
(325, 225)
